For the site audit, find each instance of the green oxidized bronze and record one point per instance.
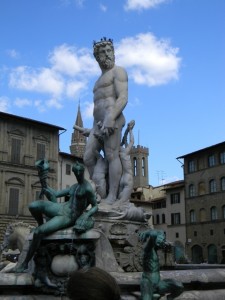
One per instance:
(152, 287)
(43, 167)
(61, 215)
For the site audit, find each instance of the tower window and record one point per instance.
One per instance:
(135, 166)
(143, 166)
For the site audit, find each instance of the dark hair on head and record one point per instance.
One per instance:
(78, 165)
(92, 284)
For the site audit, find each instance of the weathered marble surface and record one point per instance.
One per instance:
(200, 284)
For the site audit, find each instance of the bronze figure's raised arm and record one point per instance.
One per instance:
(62, 215)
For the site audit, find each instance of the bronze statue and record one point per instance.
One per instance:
(110, 98)
(152, 287)
(62, 215)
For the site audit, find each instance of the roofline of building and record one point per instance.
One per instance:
(65, 154)
(7, 115)
(203, 149)
(174, 184)
(158, 199)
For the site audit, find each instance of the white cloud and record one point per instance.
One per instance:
(71, 61)
(66, 77)
(79, 3)
(19, 102)
(53, 102)
(40, 105)
(142, 4)
(4, 104)
(103, 7)
(73, 88)
(148, 60)
(43, 80)
(13, 53)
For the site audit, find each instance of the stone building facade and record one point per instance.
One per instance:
(204, 176)
(166, 204)
(22, 142)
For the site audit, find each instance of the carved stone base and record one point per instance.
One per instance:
(61, 253)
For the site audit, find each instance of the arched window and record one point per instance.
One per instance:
(212, 186)
(211, 160)
(135, 166)
(191, 190)
(201, 188)
(222, 183)
(213, 212)
(192, 216)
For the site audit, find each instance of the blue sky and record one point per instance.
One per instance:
(173, 51)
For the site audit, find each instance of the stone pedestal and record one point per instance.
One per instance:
(59, 254)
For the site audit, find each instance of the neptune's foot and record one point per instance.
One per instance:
(110, 199)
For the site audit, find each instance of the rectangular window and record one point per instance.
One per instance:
(222, 157)
(192, 216)
(13, 201)
(157, 219)
(177, 235)
(40, 151)
(159, 204)
(175, 218)
(37, 195)
(212, 186)
(195, 233)
(192, 166)
(211, 231)
(15, 150)
(164, 203)
(175, 198)
(68, 169)
(211, 160)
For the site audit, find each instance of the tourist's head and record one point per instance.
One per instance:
(92, 284)
(104, 53)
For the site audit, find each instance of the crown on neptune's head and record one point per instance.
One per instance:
(104, 41)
